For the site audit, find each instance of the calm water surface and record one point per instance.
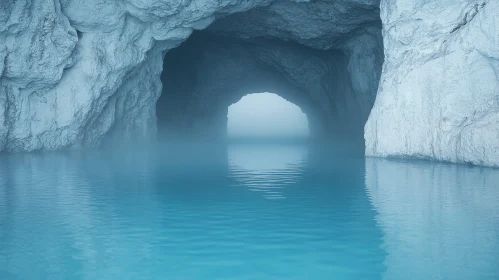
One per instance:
(244, 212)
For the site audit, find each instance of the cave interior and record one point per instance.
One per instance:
(325, 60)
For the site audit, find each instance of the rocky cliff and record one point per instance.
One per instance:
(75, 73)
(438, 96)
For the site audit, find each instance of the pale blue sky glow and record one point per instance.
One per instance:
(266, 115)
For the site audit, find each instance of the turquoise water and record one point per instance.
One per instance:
(244, 212)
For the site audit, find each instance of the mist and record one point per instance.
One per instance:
(266, 115)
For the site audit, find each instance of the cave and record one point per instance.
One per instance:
(395, 76)
(332, 77)
(136, 97)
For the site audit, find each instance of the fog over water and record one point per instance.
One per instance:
(243, 212)
(266, 115)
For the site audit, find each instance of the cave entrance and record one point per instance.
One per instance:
(207, 74)
(334, 84)
(266, 116)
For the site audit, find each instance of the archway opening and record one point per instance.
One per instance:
(333, 80)
(268, 117)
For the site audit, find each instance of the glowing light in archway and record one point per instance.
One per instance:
(266, 115)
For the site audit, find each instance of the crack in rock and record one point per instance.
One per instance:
(468, 17)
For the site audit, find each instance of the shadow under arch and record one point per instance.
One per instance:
(209, 72)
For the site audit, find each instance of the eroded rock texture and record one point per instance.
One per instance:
(77, 72)
(74, 72)
(439, 93)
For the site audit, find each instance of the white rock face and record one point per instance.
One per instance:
(60, 88)
(439, 92)
(74, 72)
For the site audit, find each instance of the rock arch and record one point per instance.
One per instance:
(74, 73)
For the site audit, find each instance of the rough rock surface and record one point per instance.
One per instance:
(74, 72)
(438, 96)
(317, 24)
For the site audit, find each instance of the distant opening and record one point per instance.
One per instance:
(266, 116)
(210, 72)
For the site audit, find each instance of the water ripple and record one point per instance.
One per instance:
(267, 212)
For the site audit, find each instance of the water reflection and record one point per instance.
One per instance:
(267, 168)
(439, 221)
(197, 213)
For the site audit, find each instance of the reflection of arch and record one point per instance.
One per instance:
(266, 115)
(267, 169)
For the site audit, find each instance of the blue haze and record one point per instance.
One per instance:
(266, 115)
